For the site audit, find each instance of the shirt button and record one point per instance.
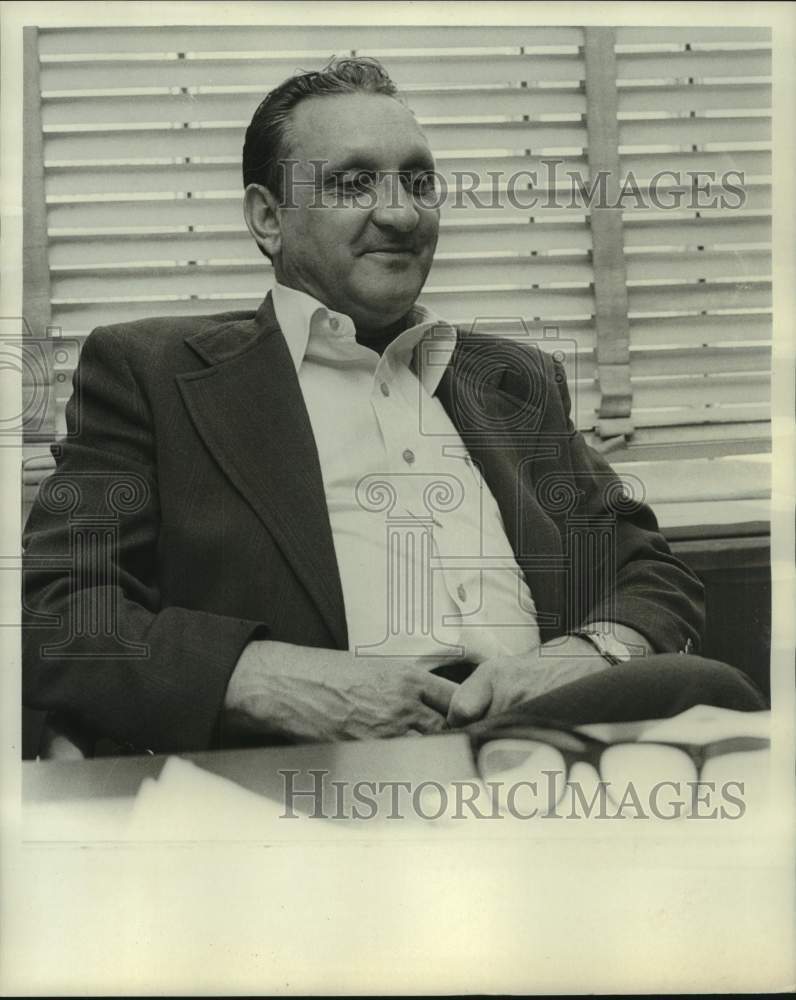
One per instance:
(460, 590)
(385, 389)
(334, 323)
(408, 456)
(468, 461)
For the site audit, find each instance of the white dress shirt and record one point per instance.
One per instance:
(426, 570)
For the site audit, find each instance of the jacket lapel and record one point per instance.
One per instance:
(501, 430)
(248, 408)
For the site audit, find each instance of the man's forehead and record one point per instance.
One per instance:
(343, 129)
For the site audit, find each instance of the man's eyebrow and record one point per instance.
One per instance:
(365, 161)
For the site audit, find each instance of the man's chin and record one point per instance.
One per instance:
(388, 305)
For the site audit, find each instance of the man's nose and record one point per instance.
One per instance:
(395, 207)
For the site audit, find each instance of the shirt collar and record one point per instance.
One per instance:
(301, 316)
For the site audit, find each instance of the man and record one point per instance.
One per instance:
(252, 586)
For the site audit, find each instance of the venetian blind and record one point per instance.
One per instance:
(141, 133)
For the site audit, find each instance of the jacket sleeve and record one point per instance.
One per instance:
(646, 587)
(97, 646)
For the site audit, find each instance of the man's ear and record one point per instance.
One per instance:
(263, 217)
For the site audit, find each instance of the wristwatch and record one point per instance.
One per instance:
(606, 644)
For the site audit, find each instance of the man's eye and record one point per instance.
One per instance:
(362, 181)
(424, 185)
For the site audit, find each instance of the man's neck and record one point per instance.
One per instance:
(379, 340)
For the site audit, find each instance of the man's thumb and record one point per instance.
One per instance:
(471, 700)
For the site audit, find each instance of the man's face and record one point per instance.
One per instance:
(354, 231)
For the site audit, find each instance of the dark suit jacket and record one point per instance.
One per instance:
(187, 516)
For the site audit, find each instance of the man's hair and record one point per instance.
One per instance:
(267, 139)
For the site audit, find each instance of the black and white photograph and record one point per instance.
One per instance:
(398, 538)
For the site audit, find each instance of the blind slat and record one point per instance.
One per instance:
(699, 329)
(240, 106)
(509, 135)
(647, 165)
(474, 182)
(702, 479)
(224, 211)
(706, 360)
(675, 515)
(192, 280)
(703, 441)
(411, 71)
(672, 419)
(150, 216)
(700, 65)
(695, 97)
(466, 102)
(455, 179)
(690, 265)
(693, 232)
(146, 215)
(699, 394)
(250, 37)
(64, 112)
(80, 320)
(707, 296)
(653, 406)
(693, 33)
(195, 108)
(107, 251)
(190, 38)
(267, 71)
(751, 197)
(98, 251)
(224, 141)
(699, 131)
(519, 237)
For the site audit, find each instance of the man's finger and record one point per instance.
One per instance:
(471, 700)
(437, 692)
(427, 721)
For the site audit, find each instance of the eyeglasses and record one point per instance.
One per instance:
(539, 757)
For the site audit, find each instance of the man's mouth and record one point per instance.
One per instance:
(391, 251)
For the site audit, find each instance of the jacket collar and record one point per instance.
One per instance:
(223, 341)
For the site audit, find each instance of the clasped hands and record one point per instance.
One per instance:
(305, 694)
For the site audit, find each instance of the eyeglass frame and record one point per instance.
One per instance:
(593, 748)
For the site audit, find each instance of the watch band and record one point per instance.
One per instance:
(608, 646)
